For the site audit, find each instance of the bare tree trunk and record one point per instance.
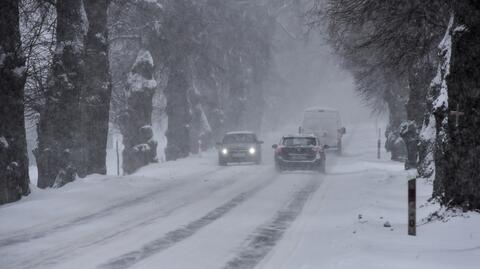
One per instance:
(178, 109)
(256, 101)
(397, 115)
(14, 178)
(200, 130)
(236, 106)
(210, 109)
(58, 129)
(419, 82)
(96, 94)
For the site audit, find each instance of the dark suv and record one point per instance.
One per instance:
(239, 147)
(300, 152)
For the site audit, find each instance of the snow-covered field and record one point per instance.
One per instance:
(195, 214)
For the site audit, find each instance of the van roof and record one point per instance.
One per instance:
(320, 109)
(239, 132)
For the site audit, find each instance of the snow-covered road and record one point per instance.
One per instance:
(195, 214)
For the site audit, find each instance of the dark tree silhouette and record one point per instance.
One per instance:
(13, 145)
(58, 134)
(455, 109)
(96, 92)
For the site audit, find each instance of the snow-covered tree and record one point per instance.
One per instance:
(73, 127)
(136, 119)
(14, 178)
(455, 101)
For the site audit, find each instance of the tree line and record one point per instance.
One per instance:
(419, 61)
(78, 67)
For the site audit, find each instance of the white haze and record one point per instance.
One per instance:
(311, 75)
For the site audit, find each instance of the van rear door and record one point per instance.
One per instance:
(324, 124)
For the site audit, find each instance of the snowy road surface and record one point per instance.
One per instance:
(195, 214)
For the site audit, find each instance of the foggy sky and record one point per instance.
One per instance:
(314, 77)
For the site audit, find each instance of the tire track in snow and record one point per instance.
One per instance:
(173, 237)
(266, 236)
(21, 237)
(54, 256)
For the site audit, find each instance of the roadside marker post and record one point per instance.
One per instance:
(118, 158)
(379, 143)
(412, 207)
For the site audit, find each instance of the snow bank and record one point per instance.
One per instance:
(92, 193)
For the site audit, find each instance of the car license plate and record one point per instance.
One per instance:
(238, 155)
(299, 157)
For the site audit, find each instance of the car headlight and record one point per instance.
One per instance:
(224, 151)
(252, 150)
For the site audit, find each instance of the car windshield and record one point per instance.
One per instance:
(299, 141)
(239, 138)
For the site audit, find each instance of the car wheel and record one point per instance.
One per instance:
(258, 160)
(222, 162)
(339, 147)
(278, 168)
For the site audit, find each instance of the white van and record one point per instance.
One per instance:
(326, 124)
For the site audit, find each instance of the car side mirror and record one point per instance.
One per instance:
(260, 142)
(326, 146)
(274, 146)
(343, 130)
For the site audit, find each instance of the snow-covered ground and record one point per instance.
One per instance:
(195, 214)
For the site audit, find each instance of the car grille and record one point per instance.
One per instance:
(238, 150)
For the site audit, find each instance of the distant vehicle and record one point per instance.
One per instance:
(239, 147)
(326, 125)
(300, 152)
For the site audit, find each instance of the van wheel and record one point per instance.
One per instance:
(322, 167)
